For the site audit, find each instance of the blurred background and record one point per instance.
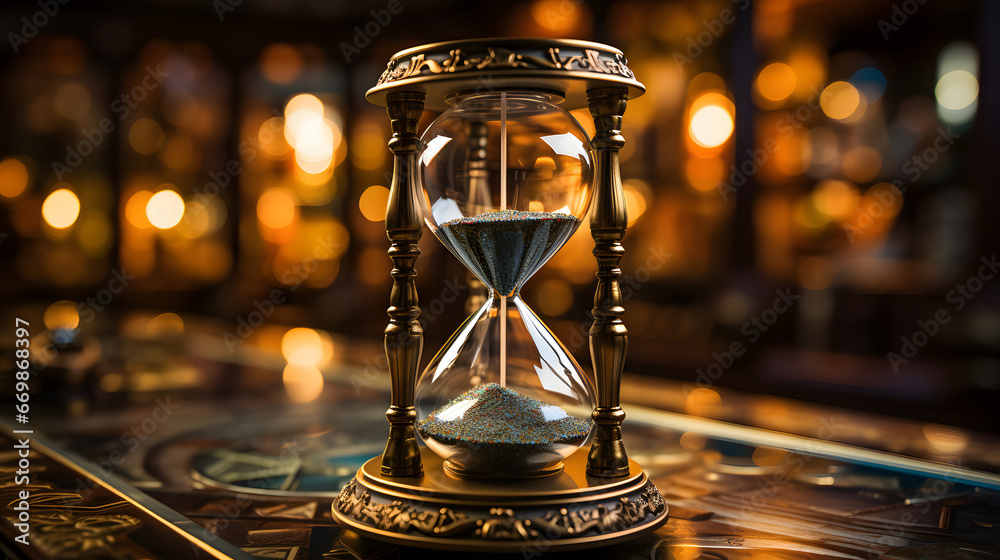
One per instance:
(811, 211)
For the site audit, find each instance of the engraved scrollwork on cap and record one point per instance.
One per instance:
(458, 60)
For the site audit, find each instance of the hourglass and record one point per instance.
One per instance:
(503, 178)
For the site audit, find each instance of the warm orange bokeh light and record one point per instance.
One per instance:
(836, 199)
(555, 297)
(165, 324)
(711, 126)
(281, 63)
(776, 81)
(135, 209)
(61, 208)
(705, 174)
(271, 137)
(840, 100)
(303, 383)
(165, 209)
(302, 346)
(862, 164)
(13, 177)
(637, 193)
(373, 203)
(276, 209)
(61, 315)
(146, 136)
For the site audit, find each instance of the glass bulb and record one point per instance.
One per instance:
(507, 180)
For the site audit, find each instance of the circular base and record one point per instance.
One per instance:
(564, 511)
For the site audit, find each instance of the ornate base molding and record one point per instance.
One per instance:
(564, 511)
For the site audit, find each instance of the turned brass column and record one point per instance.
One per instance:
(404, 339)
(608, 335)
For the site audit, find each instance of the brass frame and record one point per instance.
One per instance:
(603, 499)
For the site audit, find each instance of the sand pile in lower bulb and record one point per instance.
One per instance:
(498, 430)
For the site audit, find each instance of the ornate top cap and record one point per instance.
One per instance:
(565, 67)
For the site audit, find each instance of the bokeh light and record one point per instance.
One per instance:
(281, 63)
(862, 164)
(836, 199)
(166, 324)
(146, 136)
(177, 152)
(703, 401)
(809, 63)
(94, 235)
(61, 315)
(271, 137)
(840, 100)
(13, 177)
(61, 208)
(637, 194)
(555, 297)
(135, 209)
(373, 203)
(705, 174)
(306, 347)
(871, 82)
(711, 125)
(558, 19)
(776, 81)
(957, 90)
(314, 138)
(72, 101)
(303, 383)
(276, 208)
(165, 209)
(368, 145)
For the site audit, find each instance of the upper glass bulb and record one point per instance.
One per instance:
(507, 178)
